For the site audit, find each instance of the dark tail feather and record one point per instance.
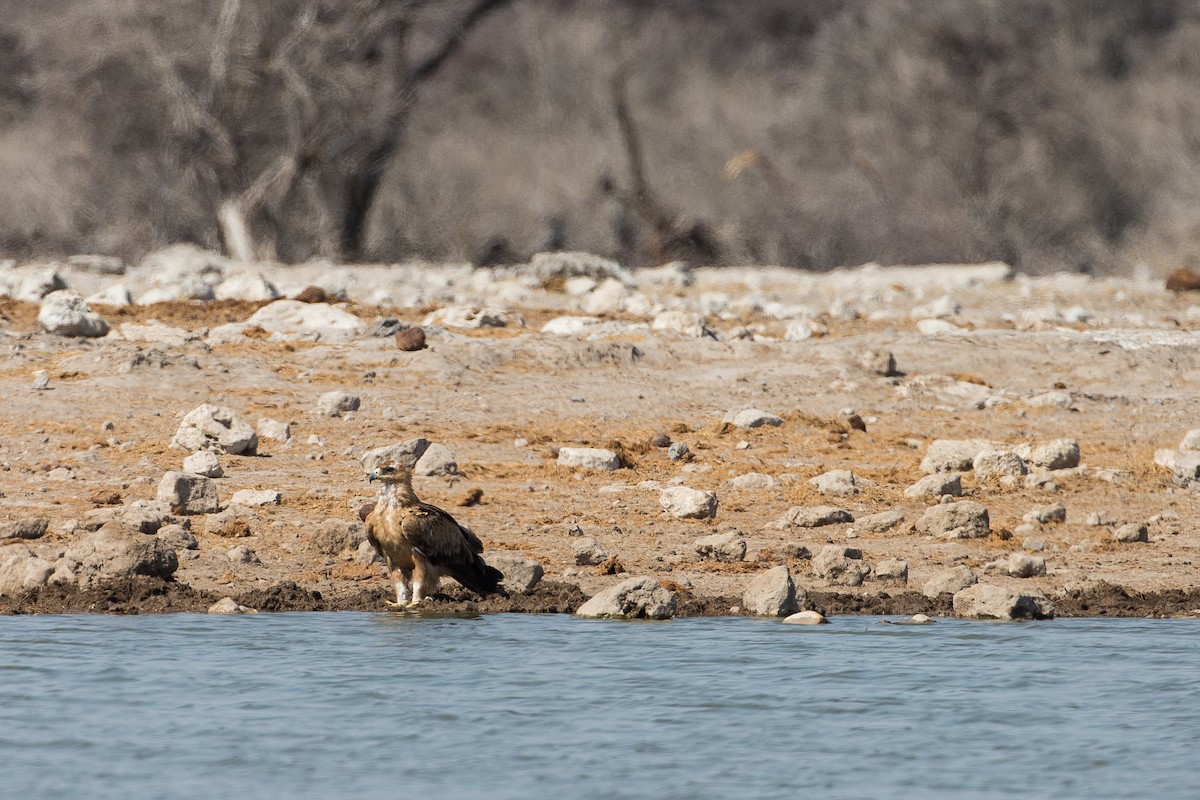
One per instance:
(479, 577)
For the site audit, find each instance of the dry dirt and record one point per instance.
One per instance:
(480, 392)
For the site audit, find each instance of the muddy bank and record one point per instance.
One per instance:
(146, 595)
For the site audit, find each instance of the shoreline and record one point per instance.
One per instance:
(145, 595)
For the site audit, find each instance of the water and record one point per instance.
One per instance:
(507, 706)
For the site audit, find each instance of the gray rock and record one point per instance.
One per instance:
(38, 284)
(116, 551)
(964, 519)
(1184, 464)
(188, 494)
(274, 429)
(952, 455)
(241, 554)
(985, 601)
(97, 264)
(203, 462)
(1020, 565)
(334, 536)
(1033, 544)
(293, 319)
(1191, 440)
(841, 565)
(936, 485)
(1046, 514)
(752, 418)
(772, 594)
(996, 464)
(836, 482)
(1056, 454)
(589, 552)
(437, 460)
(177, 537)
(1130, 533)
(573, 264)
(721, 547)
(215, 427)
(892, 569)
(246, 286)
(65, 313)
(950, 581)
(21, 570)
(143, 516)
(27, 528)
(466, 316)
(813, 517)
(1053, 399)
(677, 450)
(687, 503)
(367, 555)
(879, 523)
(255, 498)
(754, 481)
(635, 598)
(337, 402)
(588, 458)
(521, 574)
(806, 618)
(686, 323)
(227, 605)
(407, 452)
(116, 295)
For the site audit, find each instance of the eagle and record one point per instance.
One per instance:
(421, 543)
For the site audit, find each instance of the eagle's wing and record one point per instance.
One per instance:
(435, 533)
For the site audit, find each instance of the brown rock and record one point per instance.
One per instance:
(105, 497)
(1183, 280)
(411, 339)
(315, 294)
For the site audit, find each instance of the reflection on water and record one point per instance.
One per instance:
(507, 706)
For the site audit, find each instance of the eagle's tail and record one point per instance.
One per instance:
(479, 577)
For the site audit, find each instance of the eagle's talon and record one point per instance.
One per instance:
(394, 606)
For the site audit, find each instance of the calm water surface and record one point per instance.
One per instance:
(508, 706)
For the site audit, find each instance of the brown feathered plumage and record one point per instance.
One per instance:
(420, 543)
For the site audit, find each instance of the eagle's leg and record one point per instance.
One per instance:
(425, 577)
(401, 579)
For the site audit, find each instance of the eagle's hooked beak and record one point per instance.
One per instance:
(374, 474)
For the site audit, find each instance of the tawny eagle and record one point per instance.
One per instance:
(421, 543)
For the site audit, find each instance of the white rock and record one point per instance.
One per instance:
(579, 285)
(572, 264)
(921, 619)
(836, 482)
(589, 552)
(211, 426)
(879, 523)
(154, 332)
(935, 327)
(241, 554)
(806, 618)
(21, 569)
(588, 458)
(253, 498)
(686, 323)
(754, 480)
(571, 326)
(1020, 565)
(964, 519)
(952, 455)
(274, 430)
(38, 284)
(635, 598)
(64, 313)
(292, 319)
(203, 462)
(892, 569)
(687, 503)
(116, 295)
(772, 594)
(1191, 440)
(337, 402)
(721, 547)
(1055, 454)
(985, 601)
(188, 494)
(227, 605)
(407, 452)
(813, 517)
(467, 317)
(752, 418)
(1184, 464)
(246, 286)
(607, 298)
(842, 565)
(437, 460)
(521, 574)
(1130, 533)
(949, 581)
(996, 464)
(938, 484)
(1050, 400)
(944, 306)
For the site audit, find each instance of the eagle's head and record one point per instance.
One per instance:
(392, 473)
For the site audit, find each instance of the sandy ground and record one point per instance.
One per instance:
(504, 399)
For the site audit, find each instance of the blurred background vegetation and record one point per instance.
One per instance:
(1051, 134)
